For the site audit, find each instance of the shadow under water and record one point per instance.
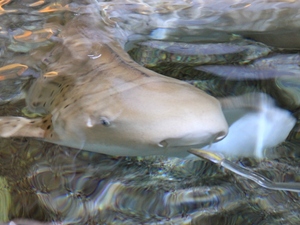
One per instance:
(43, 183)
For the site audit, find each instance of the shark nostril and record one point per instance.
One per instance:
(220, 135)
(163, 144)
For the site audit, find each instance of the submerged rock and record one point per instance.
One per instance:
(154, 53)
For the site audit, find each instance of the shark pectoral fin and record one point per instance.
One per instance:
(21, 127)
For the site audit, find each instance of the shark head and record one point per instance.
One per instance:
(161, 116)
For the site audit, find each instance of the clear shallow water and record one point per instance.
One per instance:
(47, 182)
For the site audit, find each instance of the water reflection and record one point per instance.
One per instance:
(46, 182)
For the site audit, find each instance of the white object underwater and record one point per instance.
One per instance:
(252, 131)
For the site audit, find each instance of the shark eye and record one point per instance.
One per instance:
(104, 121)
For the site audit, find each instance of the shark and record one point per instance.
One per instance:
(93, 96)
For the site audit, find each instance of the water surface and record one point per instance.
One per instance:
(226, 49)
